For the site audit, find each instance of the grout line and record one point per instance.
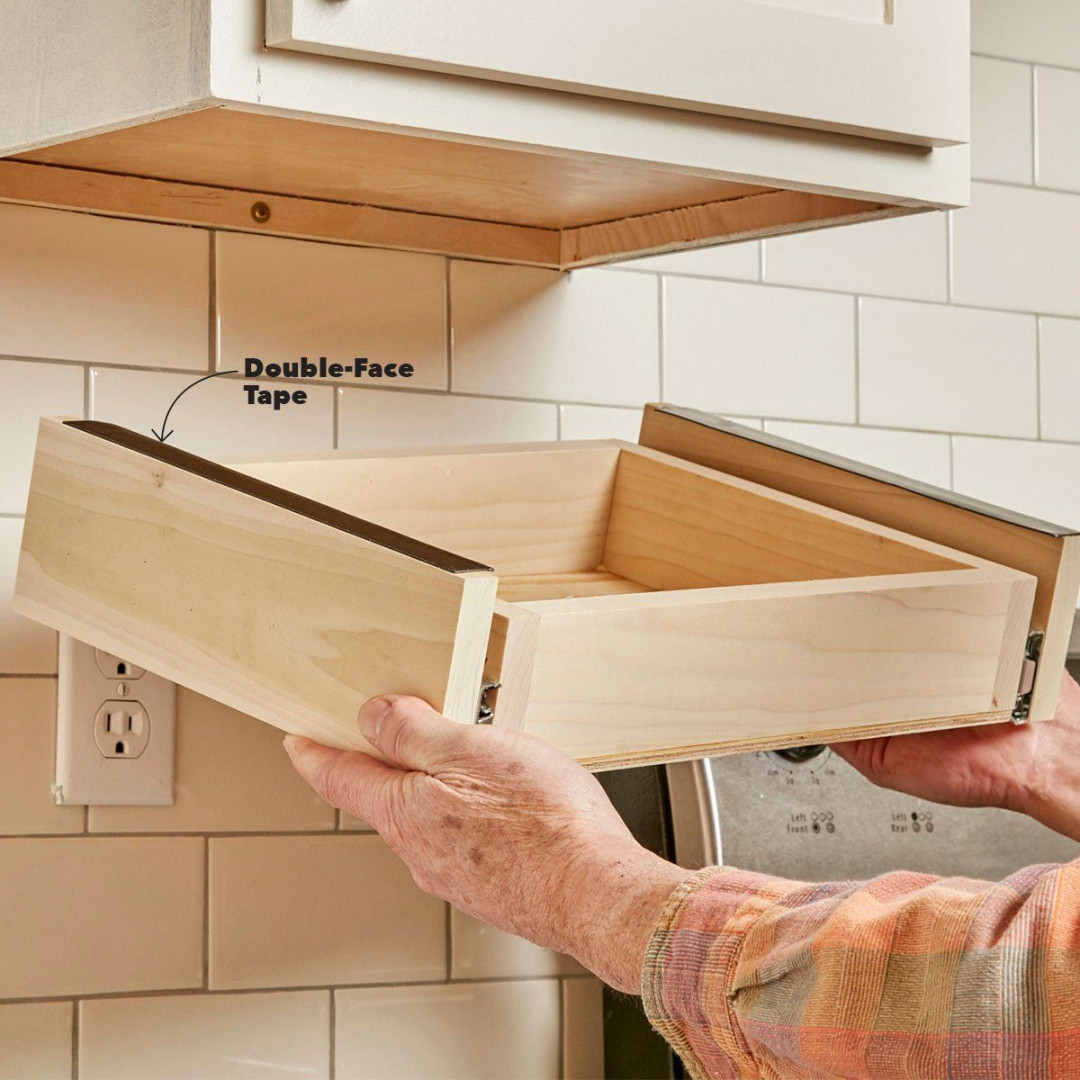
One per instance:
(858, 356)
(211, 306)
(558, 423)
(449, 330)
(952, 466)
(660, 314)
(86, 821)
(206, 916)
(87, 392)
(28, 674)
(761, 262)
(75, 1010)
(1038, 380)
(1034, 126)
(561, 1030)
(1017, 60)
(333, 1035)
(950, 262)
(197, 991)
(449, 931)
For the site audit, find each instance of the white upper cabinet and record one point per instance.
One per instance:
(886, 68)
(551, 133)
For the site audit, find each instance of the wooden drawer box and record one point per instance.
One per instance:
(632, 604)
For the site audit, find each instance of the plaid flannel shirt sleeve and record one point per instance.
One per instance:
(904, 976)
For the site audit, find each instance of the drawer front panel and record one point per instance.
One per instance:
(661, 677)
(897, 69)
(294, 617)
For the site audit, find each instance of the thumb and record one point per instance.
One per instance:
(347, 779)
(409, 733)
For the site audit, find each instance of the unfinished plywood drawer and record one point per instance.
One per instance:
(631, 604)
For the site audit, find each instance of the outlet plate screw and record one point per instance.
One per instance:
(260, 211)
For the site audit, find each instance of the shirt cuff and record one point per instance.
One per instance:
(690, 964)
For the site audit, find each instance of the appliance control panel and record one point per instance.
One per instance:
(806, 814)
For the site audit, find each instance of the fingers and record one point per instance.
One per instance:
(409, 733)
(349, 780)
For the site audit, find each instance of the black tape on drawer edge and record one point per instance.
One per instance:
(870, 472)
(280, 497)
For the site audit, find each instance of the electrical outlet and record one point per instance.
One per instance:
(116, 730)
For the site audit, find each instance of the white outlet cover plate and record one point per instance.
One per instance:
(84, 775)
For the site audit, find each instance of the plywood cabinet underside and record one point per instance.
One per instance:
(374, 187)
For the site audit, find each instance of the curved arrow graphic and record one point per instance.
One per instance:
(163, 434)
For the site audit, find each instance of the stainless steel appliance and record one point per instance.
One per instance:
(805, 814)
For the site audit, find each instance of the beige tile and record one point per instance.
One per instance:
(1046, 30)
(28, 726)
(35, 1041)
(1059, 121)
(282, 299)
(214, 418)
(26, 647)
(91, 915)
(318, 911)
(590, 335)
(903, 256)
(470, 1031)
(946, 368)
(479, 951)
(742, 261)
(1035, 478)
(29, 392)
(1018, 248)
(232, 775)
(379, 418)
(1059, 389)
(755, 350)
(599, 422)
(583, 1029)
(353, 824)
(1001, 121)
(916, 454)
(206, 1037)
(80, 287)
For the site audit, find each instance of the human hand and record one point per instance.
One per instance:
(505, 827)
(1031, 768)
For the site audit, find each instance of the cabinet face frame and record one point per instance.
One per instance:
(146, 550)
(890, 69)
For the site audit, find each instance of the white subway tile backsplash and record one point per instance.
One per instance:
(742, 261)
(1036, 478)
(206, 1037)
(30, 391)
(751, 349)
(598, 422)
(96, 915)
(35, 1041)
(215, 418)
(583, 1029)
(1059, 128)
(1043, 30)
(28, 727)
(1059, 357)
(457, 1031)
(479, 951)
(232, 775)
(26, 647)
(318, 911)
(80, 287)
(1018, 248)
(282, 299)
(589, 336)
(1002, 139)
(375, 418)
(904, 256)
(915, 454)
(947, 368)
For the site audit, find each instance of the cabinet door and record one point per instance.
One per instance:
(269, 602)
(896, 69)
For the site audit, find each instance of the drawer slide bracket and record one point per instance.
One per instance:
(485, 714)
(1032, 652)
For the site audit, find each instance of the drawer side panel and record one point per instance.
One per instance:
(282, 616)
